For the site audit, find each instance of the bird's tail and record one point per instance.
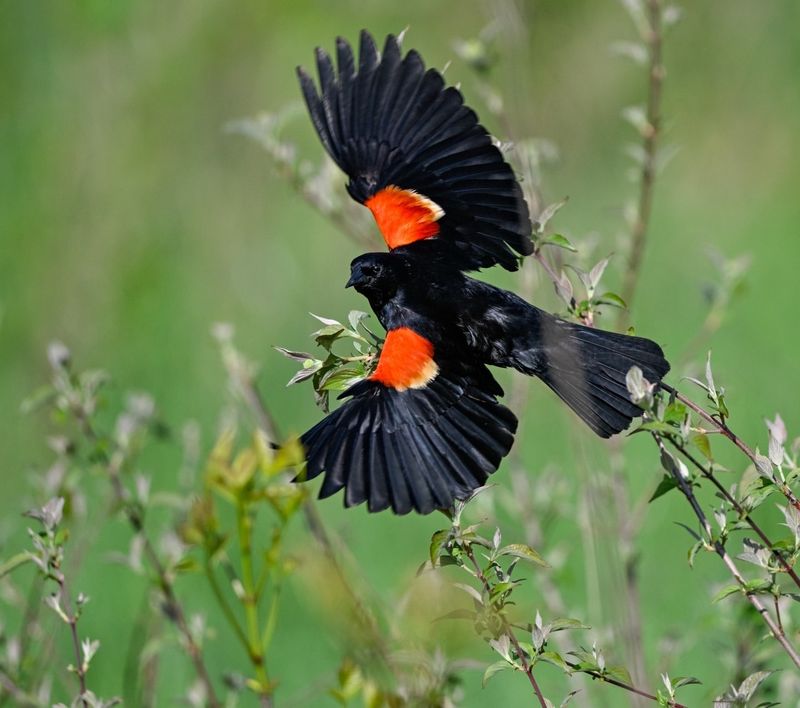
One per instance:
(587, 367)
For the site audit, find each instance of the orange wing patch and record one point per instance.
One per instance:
(406, 361)
(403, 216)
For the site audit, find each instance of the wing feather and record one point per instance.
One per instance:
(410, 442)
(389, 122)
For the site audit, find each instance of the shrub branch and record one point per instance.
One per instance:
(172, 606)
(650, 134)
(716, 545)
(507, 629)
(720, 426)
(743, 513)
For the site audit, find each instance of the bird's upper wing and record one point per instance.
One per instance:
(416, 156)
(417, 434)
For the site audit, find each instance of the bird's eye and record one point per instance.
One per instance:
(369, 270)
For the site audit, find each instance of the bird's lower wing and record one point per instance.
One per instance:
(413, 438)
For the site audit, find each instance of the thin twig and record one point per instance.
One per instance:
(650, 134)
(608, 679)
(72, 621)
(508, 630)
(743, 513)
(172, 606)
(721, 427)
(777, 603)
(551, 273)
(224, 605)
(719, 548)
(622, 684)
(244, 526)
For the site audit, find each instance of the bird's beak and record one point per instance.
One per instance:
(356, 276)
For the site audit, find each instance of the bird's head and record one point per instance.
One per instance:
(378, 275)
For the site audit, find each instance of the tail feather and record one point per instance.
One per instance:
(587, 368)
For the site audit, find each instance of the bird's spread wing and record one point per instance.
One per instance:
(416, 156)
(417, 434)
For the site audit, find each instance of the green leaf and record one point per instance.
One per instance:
(297, 356)
(493, 669)
(679, 681)
(561, 623)
(341, 378)
(187, 564)
(620, 673)
(585, 661)
(758, 585)
(520, 550)
(693, 551)
(15, 562)
(675, 412)
(326, 336)
(501, 588)
(462, 614)
(326, 320)
(674, 465)
(596, 273)
(554, 658)
(749, 686)
(437, 541)
(471, 591)
(310, 367)
(688, 530)
(711, 386)
(727, 591)
(696, 382)
(702, 443)
(667, 484)
(656, 426)
(612, 299)
(546, 215)
(350, 681)
(561, 241)
(355, 317)
(753, 488)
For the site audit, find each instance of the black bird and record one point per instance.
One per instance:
(426, 427)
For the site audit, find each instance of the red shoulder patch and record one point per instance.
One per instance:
(406, 361)
(403, 216)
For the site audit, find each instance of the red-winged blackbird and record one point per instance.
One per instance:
(426, 427)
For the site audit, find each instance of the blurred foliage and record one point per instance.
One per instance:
(132, 219)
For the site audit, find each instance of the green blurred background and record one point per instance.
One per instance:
(130, 222)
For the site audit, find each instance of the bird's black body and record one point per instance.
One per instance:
(473, 321)
(426, 427)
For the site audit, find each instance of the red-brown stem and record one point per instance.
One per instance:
(739, 510)
(627, 687)
(508, 630)
(721, 427)
(719, 549)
